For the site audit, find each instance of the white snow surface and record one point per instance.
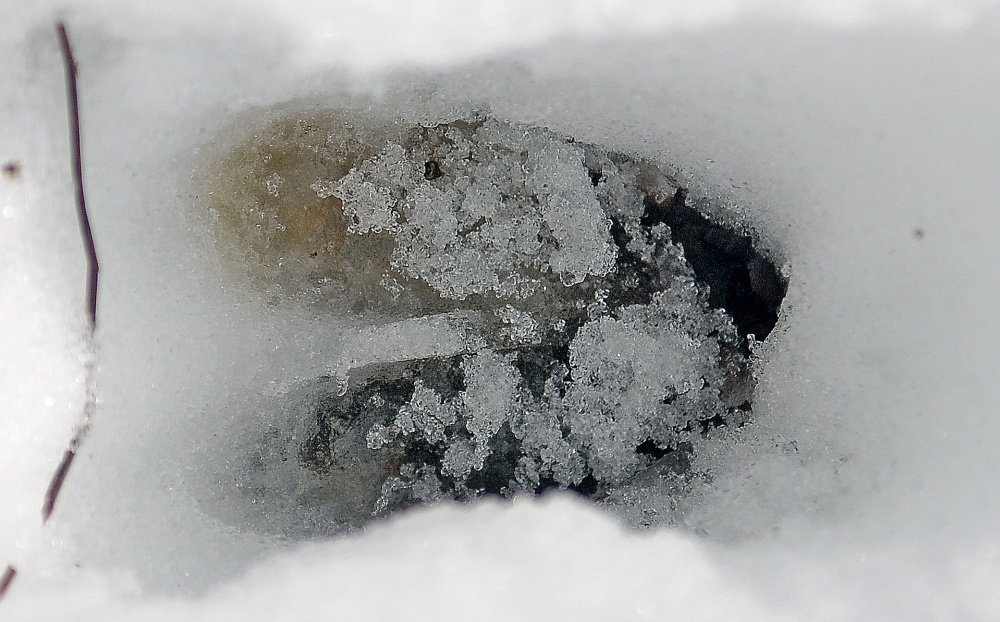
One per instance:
(858, 140)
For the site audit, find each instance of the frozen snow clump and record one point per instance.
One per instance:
(604, 322)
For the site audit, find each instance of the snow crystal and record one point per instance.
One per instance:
(490, 396)
(426, 414)
(518, 326)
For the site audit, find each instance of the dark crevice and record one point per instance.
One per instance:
(432, 170)
(588, 487)
(740, 279)
(676, 458)
(651, 448)
(536, 365)
(635, 281)
(498, 468)
(716, 421)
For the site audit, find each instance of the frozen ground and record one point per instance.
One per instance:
(859, 142)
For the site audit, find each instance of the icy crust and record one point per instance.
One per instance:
(630, 390)
(645, 378)
(479, 208)
(444, 216)
(587, 355)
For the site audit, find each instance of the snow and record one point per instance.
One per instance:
(857, 141)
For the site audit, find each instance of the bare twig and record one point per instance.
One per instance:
(6, 579)
(57, 480)
(76, 154)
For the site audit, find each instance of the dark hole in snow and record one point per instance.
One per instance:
(432, 170)
(608, 327)
(740, 279)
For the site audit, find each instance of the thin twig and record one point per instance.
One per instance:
(6, 579)
(76, 154)
(57, 481)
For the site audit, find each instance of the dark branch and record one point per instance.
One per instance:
(6, 579)
(57, 481)
(76, 153)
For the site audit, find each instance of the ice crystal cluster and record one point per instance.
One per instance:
(589, 353)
